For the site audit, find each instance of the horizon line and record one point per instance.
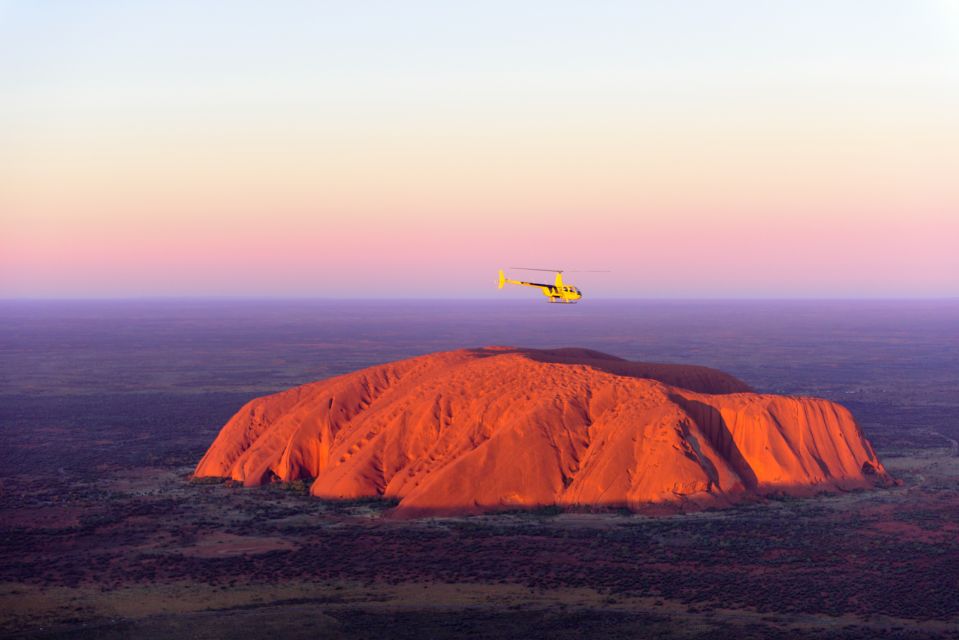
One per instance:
(312, 298)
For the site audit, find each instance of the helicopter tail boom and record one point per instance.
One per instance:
(503, 280)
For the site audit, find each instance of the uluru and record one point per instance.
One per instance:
(502, 428)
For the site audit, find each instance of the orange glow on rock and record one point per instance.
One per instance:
(480, 430)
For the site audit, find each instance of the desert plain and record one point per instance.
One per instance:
(107, 407)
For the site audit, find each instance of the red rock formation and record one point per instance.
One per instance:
(497, 428)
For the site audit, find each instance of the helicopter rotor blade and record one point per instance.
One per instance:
(563, 271)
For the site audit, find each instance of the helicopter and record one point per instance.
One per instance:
(557, 293)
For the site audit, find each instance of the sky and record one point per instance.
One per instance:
(766, 149)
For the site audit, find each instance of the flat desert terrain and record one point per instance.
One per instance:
(106, 408)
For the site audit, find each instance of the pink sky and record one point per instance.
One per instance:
(753, 166)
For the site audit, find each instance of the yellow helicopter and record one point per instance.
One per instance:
(558, 292)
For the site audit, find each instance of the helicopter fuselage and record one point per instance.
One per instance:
(558, 292)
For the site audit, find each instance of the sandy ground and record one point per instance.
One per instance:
(223, 528)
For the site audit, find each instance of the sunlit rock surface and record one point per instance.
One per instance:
(497, 428)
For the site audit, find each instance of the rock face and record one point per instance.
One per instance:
(502, 428)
